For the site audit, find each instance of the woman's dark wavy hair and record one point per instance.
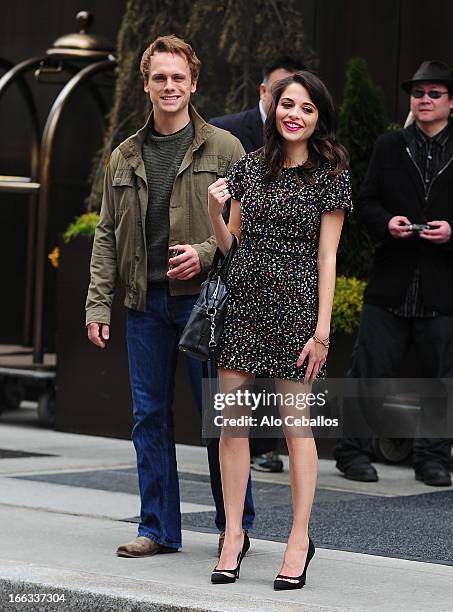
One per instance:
(322, 145)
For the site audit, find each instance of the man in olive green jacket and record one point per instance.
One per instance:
(155, 199)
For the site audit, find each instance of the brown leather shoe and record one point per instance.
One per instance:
(142, 547)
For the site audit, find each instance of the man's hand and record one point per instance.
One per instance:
(397, 227)
(98, 333)
(186, 265)
(439, 232)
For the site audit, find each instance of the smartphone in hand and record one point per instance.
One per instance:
(172, 252)
(418, 227)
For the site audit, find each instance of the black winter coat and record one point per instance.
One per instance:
(246, 126)
(394, 186)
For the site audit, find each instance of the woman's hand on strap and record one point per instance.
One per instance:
(218, 194)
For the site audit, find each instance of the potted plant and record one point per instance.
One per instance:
(346, 310)
(93, 392)
(92, 395)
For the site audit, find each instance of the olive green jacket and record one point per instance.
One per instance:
(119, 246)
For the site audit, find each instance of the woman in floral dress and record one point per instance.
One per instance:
(288, 202)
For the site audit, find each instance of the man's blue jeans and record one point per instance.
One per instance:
(152, 341)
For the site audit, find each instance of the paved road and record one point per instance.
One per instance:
(65, 507)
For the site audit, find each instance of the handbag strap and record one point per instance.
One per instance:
(221, 262)
(209, 369)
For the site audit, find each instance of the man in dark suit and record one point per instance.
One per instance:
(409, 297)
(248, 125)
(248, 128)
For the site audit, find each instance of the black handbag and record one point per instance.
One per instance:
(202, 333)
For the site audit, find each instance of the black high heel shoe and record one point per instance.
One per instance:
(219, 576)
(280, 584)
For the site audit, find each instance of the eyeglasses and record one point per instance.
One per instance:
(435, 94)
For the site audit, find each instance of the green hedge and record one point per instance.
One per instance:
(362, 119)
(82, 226)
(347, 304)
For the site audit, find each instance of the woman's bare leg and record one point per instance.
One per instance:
(303, 465)
(234, 454)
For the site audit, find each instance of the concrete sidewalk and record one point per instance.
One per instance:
(58, 539)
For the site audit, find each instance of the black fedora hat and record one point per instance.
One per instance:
(432, 71)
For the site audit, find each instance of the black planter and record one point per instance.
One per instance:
(340, 351)
(93, 391)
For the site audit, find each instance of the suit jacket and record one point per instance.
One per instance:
(246, 126)
(394, 186)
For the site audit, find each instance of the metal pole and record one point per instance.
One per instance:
(13, 74)
(46, 153)
(16, 73)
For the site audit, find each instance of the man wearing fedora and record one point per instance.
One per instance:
(406, 204)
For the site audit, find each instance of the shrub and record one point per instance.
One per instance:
(347, 304)
(362, 119)
(82, 226)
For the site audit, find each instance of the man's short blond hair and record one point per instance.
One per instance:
(170, 44)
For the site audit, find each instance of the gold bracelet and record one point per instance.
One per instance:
(325, 342)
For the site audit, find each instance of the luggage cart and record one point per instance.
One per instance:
(21, 379)
(27, 369)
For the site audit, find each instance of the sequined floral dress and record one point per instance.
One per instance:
(273, 280)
